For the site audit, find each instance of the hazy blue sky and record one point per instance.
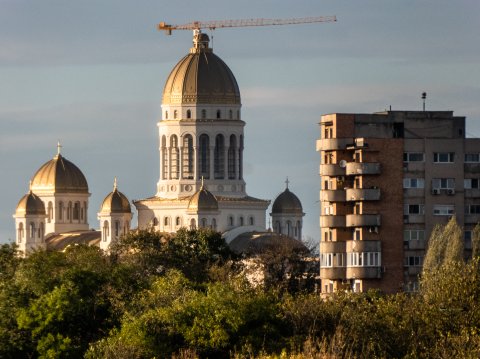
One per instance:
(91, 73)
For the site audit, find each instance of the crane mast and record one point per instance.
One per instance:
(212, 25)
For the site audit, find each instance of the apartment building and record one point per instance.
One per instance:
(386, 179)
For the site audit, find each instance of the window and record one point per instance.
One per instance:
(204, 114)
(60, 211)
(472, 209)
(413, 235)
(357, 235)
(204, 223)
(241, 221)
(76, 211)
(413, 183)
(20, 232)
(232, 158)
(105, 231)
(166, 221)
(413, 157)
(443, 157)
(189, 114)
(219, 114)
(444, 209)
(193, 224)
(166, 115)
(328, 209)
(174, 168)
(470, 183)
(117, 228)
(177, 221)
(175, 114)
(214, 223)
(472, 157)
(219, 157)
(230, 114)
(187, 157)
(155, 221)
(164, 157)
(204, 157)
(443, 183)
(230, 220)
(251, 221)
(414, 209)
(50, 212)
(363, 259)
(413, 261)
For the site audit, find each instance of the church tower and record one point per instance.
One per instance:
(30, 223)
(201, 141)
(64, 190)
(115, 217)
(287, 214)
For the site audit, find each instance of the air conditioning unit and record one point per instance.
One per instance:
(435, 190)
(450, 192)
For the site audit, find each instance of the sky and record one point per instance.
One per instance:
(91, 73)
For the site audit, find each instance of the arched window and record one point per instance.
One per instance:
(32, 230)
(204, 114)
(187, 157)
(105, 231)
(241, 221)
(174, 169)
(164, 158)
(230, 220)
(189, 114)
(278, 227)
(299, 227)
(230, 114)
(251, 221)
(204, 223)
(232, 155)
(20, 232)
(166, 221)
(41, 230)
(177, 221)
(76, 211)
(166, 115)
(219, 161)
(175, 114)
(60, 211)
(155, 221)
(240, 158)
(214, 224)
(193, 224)
(50, 212)
(69, 211)
(289, 228)
(219, 114)
(204, 160)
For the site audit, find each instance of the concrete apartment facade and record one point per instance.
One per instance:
(386, 179)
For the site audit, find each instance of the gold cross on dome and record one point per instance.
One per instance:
(59, 146)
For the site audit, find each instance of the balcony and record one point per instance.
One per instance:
(363, 194)
(331, 195)
(363, 272)
(332, 247)
(363, 246)
(362, 168)
(331, 170)
(332, 221)
(333, 273)
(362, 220)
(331, 144)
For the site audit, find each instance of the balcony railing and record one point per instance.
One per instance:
(362, 220)
(362, 168)
(332, 221)
(332, 170)
(363, 194)
(332, 195)
(332, 144)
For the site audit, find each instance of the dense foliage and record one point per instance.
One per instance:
(184, 296)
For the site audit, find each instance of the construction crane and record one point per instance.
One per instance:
(212, 25)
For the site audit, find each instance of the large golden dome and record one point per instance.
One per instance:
(201, 77)
(61, 176)
(30, 204)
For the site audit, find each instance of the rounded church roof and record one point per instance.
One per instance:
(203, 200)
(287, 202)
(30, 204)
(201, 77)
(59, 175)
(115, 202)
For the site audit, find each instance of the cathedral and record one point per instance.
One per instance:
(201, 184)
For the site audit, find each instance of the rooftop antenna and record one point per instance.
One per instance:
(424, 97)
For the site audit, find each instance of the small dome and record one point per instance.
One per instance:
(115, 202)
(287, 202)
(203, 200)
(201, 77)
(30, 204)
(61, 176)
